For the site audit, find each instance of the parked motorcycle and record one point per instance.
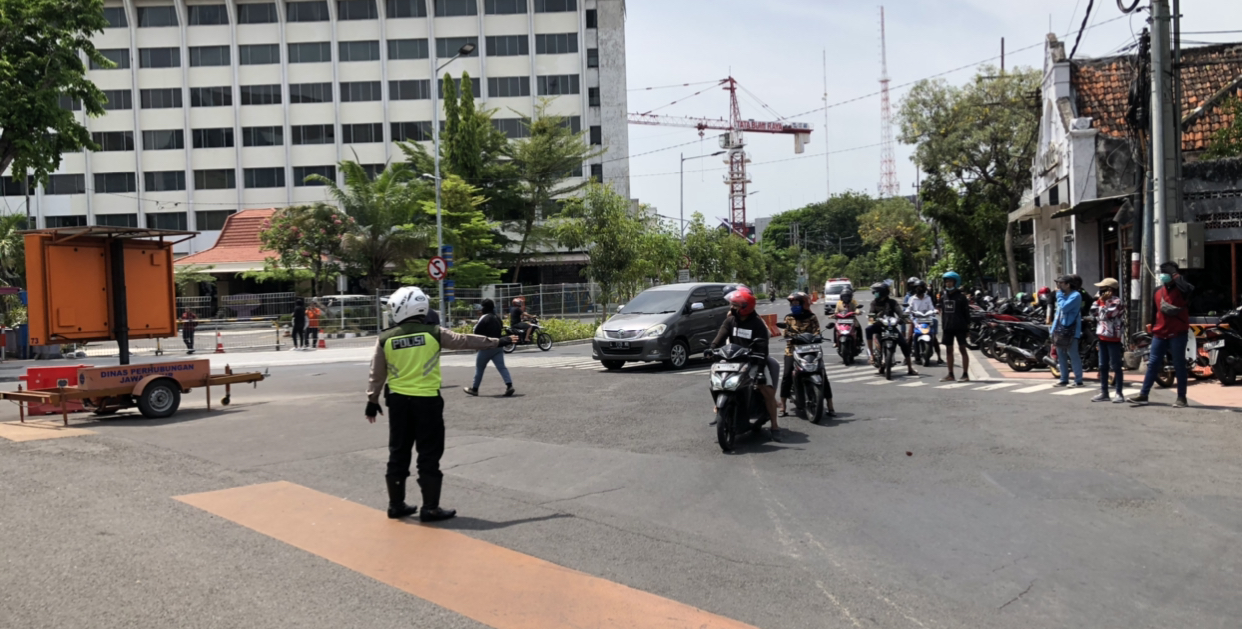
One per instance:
(808, 375)
(1224, 347)
(848, 347)
(889, 333)
(735, 379)
(542, 339)
(1027, 346)
(924, 341)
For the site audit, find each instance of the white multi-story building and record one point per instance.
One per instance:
(218, 106)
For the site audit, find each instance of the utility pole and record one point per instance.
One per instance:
(1164, 154)
(827, 156)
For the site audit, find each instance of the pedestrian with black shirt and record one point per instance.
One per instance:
(490, 326)
(189, 323)
(955, 321)
(299, 324)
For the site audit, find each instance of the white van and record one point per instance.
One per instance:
(832, 292)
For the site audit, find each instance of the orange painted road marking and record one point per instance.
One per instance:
(493, 585)
(34, 430)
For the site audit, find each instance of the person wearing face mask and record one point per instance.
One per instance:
(1169, 334)
(883, 305)
(922, 301)
(1110, 314)
(955, 317)
(800, 320)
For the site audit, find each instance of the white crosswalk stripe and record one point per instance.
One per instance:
(914, 384)
(997, 386)
(1038, 387)
(955, 385)
(868, 377)
(880, 382)
(1075, 391)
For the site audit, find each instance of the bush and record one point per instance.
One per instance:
(568, 329)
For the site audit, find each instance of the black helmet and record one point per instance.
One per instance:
(800, 297)
(881, 288)
(920, 284)
(847, 294)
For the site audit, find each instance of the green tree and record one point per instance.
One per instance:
(467, 229)
(780, 265)
(544, 163)
(12, 250)
(382, 210)
(1227, 142)
(188, 275)
(704, 246)
(829, 225)
(600, 223)
(977, 143)
(307, 237)
(42, 43)
(902, 238)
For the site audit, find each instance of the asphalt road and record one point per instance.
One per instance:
(918, 506)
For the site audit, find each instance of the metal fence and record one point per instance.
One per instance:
(239, 306)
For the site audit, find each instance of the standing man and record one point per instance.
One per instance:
(189, 324)
(1169, 334)
(299, 324)
(1110, 314)
(312, 323)
(955, 320)
(1069, 326)
(406, 368)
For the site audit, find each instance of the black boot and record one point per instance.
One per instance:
(509, 390)
(431, 502)
(396, 499)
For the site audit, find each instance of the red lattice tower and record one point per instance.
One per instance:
(888, 151)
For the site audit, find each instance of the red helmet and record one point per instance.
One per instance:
(743, 300)
(1044, 291)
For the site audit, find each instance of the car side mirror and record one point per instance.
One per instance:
(696, 306)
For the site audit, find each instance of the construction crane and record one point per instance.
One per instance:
(732, 141)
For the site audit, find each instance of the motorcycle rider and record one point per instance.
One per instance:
(923, 301)
(744, 327)
(884, 305)
(800, 320)
(848, 304)
(955, 317)
(518, 319)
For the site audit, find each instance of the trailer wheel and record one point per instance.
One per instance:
(160, 399)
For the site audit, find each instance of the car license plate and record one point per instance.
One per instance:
(619, 345)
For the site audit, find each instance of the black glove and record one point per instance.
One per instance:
(1169, 309)
(505, 342)
(373, 409)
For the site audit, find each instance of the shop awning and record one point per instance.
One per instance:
(1095, 209)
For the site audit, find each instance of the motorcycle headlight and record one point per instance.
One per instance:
(732, 381)
(599, 333)
(654, 331)
(717, 380)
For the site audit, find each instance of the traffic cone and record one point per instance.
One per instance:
(323, 344)
(219, 343)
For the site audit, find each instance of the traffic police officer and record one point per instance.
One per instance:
(406, 367)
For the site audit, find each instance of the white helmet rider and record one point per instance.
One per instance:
(408, 302)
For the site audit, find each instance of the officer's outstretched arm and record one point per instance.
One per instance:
(452, 340)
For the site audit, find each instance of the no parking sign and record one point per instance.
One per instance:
(437, 268)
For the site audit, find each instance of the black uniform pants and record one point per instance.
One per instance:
(187, 336)
(417, 423)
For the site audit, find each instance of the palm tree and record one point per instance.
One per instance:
(390, 228)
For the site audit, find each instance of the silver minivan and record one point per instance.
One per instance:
(665, 323)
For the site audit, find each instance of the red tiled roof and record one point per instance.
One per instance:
(238, 241)
(1102, 88)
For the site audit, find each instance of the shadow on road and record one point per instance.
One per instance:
(466, 523)
(136, 419)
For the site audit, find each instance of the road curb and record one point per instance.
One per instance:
(457, 352)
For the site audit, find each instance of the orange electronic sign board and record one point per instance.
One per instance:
(72, 293)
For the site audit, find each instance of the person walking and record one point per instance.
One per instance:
(299, 324)
(1110, 315)
(406, 369)
(312, 323)
(1169, 334)
(189, 323)
(1068, 329)
(492, 327)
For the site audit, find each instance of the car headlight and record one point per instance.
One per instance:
(599, 333)
(655, 330)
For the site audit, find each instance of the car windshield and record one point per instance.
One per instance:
(836, 290)
(656, 302)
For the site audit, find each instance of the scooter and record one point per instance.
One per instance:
(1224, 347)
(1027, 346)
(808, 375)
(541, 338)
(735, 381)
(889, 333)
(848, 347)
(924, 342)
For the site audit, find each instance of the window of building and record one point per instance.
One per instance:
(116, 17)
(512, 127)
(373, 170)
(163, 140)
(597, 172)
(593, 96)
(361, 91)
(157, 16)
(508, 46)
(206, 14)
(408, 49)
(213, 220)
(450, 8)
(555, 6)
(263, 136)
(64, 221)
(508, 86)
(167, 220)
(164, 98)
(313, 134)
(411, 131)
(556, 43)
(312, 52)
(209, 56)
(114, 140)
(119, 99)
(553, 85)
(118, 56)
(218, 138)
(69, 103)
(504, 7)
(407, 8)
(300, 173)
(364, 133)
(211, 96)
(214, 179)
(359, 51)
(159, 57)
(356, 10)
(447, 47)
(164, 181)
(476, 86)
(260, 94)
(592, 57)
(259, 54)
(117, 220)
(65, 184)
(597, 135)
(260, 13)
(10, 187)
(314, 11)
(264, 177)
(573, 123)
(592, 19)
(414, 89)
(115, 182)
(310, 93)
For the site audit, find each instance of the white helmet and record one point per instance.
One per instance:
(408, 301)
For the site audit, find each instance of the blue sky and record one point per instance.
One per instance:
(775, 49)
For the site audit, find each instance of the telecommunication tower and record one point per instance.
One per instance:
(888, 159)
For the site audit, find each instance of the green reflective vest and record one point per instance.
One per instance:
(412, 351)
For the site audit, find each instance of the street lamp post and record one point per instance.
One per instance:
(682, 210)
(435, 140)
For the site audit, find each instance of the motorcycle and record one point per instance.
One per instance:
(848, 347)
(978, 322)
(924, 341)
(1027, 346)
(542, 339)
(1224, 347)
(808, 375)
(889, 333)
(735, 381)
